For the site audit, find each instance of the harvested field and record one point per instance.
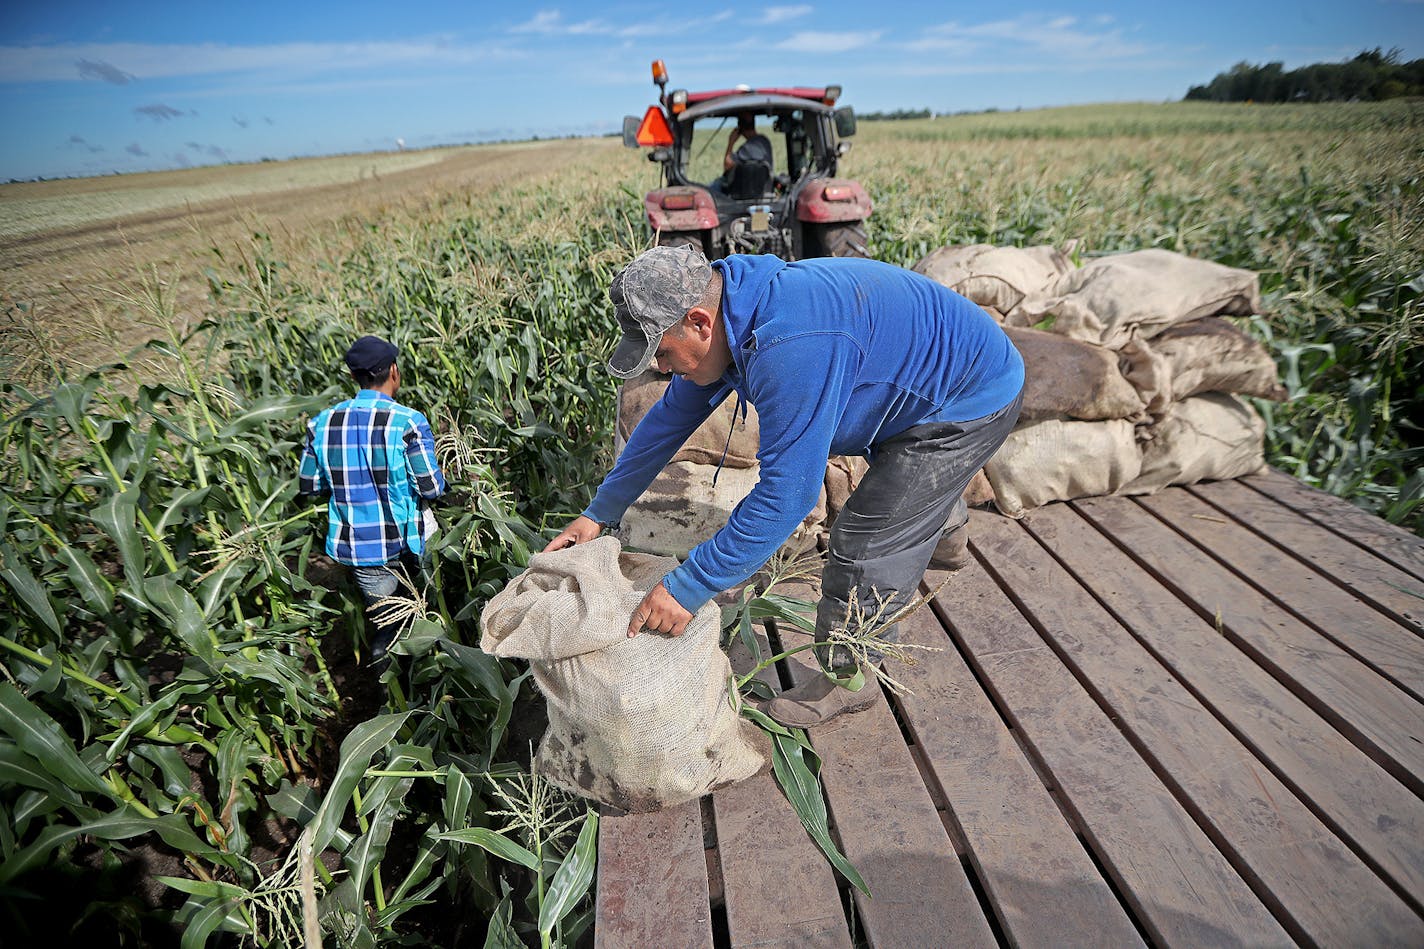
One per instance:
(74, 253)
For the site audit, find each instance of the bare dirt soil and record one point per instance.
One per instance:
(73, 259)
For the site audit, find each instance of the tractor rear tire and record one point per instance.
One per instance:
(842, 239)
(682, 239)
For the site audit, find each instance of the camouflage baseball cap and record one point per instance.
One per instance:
(649, 296)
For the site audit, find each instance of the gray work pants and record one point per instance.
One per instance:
(883, 538)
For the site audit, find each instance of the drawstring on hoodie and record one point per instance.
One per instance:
(739, 407)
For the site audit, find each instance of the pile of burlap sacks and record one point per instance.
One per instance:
(1133, 376)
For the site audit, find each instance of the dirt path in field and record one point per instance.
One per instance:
(63, 289)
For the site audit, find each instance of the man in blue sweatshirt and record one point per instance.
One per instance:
(839, 356)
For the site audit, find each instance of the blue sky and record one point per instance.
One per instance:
(96, 87)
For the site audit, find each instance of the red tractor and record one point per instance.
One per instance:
(785, 199)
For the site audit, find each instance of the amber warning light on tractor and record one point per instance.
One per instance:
(653, 131)
(659, 72)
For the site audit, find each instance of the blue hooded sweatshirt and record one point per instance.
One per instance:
(837, 355)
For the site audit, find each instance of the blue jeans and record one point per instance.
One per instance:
(883, 538)
(378, 582)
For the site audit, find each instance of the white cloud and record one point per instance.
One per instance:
(551, 23)
(1051, 38)
(152, 60)
(782, 14)
(818, 42)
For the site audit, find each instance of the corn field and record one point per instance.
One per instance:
(185, 700)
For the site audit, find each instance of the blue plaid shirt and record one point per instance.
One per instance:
(376, 459)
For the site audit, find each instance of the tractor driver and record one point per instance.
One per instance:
(756, 149)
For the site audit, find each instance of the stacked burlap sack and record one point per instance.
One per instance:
(642, 723)
(690, 499)
(1133, 378)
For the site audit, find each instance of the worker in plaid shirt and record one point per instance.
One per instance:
(375, 460)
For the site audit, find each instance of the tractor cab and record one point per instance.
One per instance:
(794, 206)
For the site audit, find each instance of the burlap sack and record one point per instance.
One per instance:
(683, 507)
(1207, 437)
(997, 277)
(1149, 373)
(843, 474)
(1211, 355)
(705, 446)
(641, 723)
(980, 492)
(1067, 378)
(1057, 461)
(1138, 294)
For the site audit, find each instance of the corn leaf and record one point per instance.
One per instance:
(119, 825)
(572, 879)
(366, 851)
(299, 802)
(792, 762)
(172, 514)
(501, 934)
(747, 631)
(266, 411)
(184, 616)
(117, 516)
(427, 851)
(458, 793)
(144, 719)
(785, 608)
(17, 767)
(72, 400)
(30, 591)
(403, 757)
(206, 918)
(493, 841)
(213, 889)
(357, 749)
(41, 737)
(96, 591)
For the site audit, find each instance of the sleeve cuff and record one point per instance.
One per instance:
(688, 593)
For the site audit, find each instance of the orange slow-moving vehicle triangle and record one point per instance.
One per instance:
(654, 131)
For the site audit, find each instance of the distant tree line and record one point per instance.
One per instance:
(892, 116)
(1370, 76)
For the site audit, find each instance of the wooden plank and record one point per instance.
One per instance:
(1384, 721)
(1041, 882)
(1394, 650)
(887, 823)
(1383, 821)
(1392, 590)
(1393, 543)
(1178, 886)
(652, 880)
(1295, 862)
(777, 886)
